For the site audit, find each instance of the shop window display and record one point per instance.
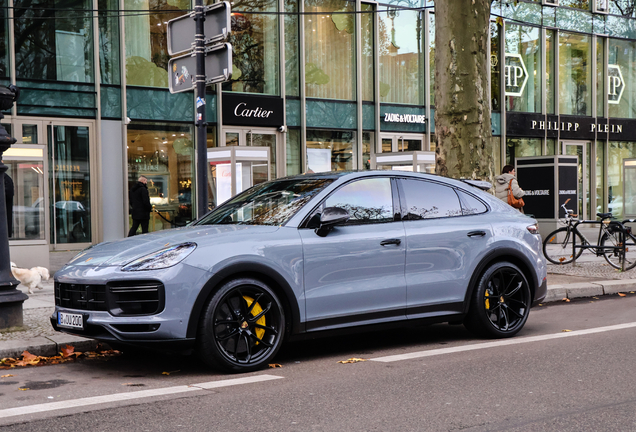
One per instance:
(164, 155)
(330, 151)
(525, 42)
(575, 74)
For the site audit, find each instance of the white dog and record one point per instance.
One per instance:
(31, 278)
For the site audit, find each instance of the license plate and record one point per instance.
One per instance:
(70, 320)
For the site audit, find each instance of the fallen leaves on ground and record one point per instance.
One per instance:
(275, 365)
(67, 354)
(6, 376)
(566, 330)
(567, 300)
(622, 295)
(168, 373)
(352, 360)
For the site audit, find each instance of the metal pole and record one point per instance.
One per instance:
(200, 121)
(10, 298)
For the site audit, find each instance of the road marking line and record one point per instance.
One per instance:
(118, 397)
(504, 342)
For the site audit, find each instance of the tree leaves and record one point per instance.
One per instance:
(67, 354)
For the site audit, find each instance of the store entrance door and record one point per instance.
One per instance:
(583, 150)
(397, 142)
(259, 137)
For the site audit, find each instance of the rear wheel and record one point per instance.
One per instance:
(241, 327)
(557, 246)
(500, 304)
(615, 257)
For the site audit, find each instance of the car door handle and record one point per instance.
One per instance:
(476, 234)
(390, 242)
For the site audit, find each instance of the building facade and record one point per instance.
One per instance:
(323, 84)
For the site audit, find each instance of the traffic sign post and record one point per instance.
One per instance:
(208, 25)
(218, 63)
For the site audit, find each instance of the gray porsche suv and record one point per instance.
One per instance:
(305, 254)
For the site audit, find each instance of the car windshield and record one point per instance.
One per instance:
(271, 203)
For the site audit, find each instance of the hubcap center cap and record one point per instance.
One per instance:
(501, 299)
(244, 325)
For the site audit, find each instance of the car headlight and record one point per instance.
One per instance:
(163, 258)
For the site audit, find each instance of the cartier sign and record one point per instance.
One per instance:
(248, 110)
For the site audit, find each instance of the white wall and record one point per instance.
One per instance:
(113, 187)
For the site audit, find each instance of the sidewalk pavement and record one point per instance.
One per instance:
(590, 277)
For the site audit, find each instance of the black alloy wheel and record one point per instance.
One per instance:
(242, 327)
(501, 302)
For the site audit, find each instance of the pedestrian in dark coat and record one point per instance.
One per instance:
(141, 207)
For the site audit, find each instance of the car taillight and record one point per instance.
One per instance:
(533, 229)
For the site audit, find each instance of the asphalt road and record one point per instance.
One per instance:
(436, 378)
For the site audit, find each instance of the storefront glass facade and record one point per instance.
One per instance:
(342, 81)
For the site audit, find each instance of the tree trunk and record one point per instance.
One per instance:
(465, 146)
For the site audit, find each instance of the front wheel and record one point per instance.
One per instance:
(242, 327)
(557, 246)
(500, 304)
(615, 257)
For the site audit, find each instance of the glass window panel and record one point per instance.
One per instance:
(550, 145)
(576, 4)
(29, 134)
(621, 7)
(620, 27)
(211, 136)
(524, 12)
(495, 67)
(549, 71)
(59, 49)
(600, 82)
(600, 171)
(366, 22)
(293, 152)
(470, 204)
(575, 74)
(427, 200)
(368, 139)
(146, 23)
(4, 38)
(109, 42)
(27, 220)
(622, 61)
(164, 154)
(617, 151)
(330, 150)
(387, 145)
(520, 147)
(265, 140)
(330, 49)
(367, 201)
(254, 40)
(575, 20)
(526, 42)
(292, 50)
(400, 55)
(70, 183)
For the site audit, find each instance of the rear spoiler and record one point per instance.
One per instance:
(483, 185)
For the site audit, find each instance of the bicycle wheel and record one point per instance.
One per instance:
(615, 256)
(557, 246)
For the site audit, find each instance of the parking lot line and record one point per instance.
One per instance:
(503, 342)
(119, 397)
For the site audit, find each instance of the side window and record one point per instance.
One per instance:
(367, 201)
(427, 200)
(470, 204)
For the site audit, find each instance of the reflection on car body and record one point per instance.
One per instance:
(299, 255)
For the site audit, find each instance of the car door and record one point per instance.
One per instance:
(443, 239)
(355, 274)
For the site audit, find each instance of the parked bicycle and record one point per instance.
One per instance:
(615, 242)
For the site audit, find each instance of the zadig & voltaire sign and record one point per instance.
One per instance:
(404, 118)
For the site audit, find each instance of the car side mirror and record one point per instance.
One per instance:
(330, 217)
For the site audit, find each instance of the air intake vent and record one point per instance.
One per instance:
(80, 296)
(135, 298)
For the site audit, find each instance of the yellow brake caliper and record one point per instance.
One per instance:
(487, 300)
(255, 311)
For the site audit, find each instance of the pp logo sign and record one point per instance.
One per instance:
(516, 75)
(615, 84)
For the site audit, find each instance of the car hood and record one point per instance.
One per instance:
(123, 251)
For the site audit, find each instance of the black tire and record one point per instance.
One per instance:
(242, 327)
(557, 246)
(501, 302)
(615, 257)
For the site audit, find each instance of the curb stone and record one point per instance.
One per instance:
(45, 346)
(616, 286)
